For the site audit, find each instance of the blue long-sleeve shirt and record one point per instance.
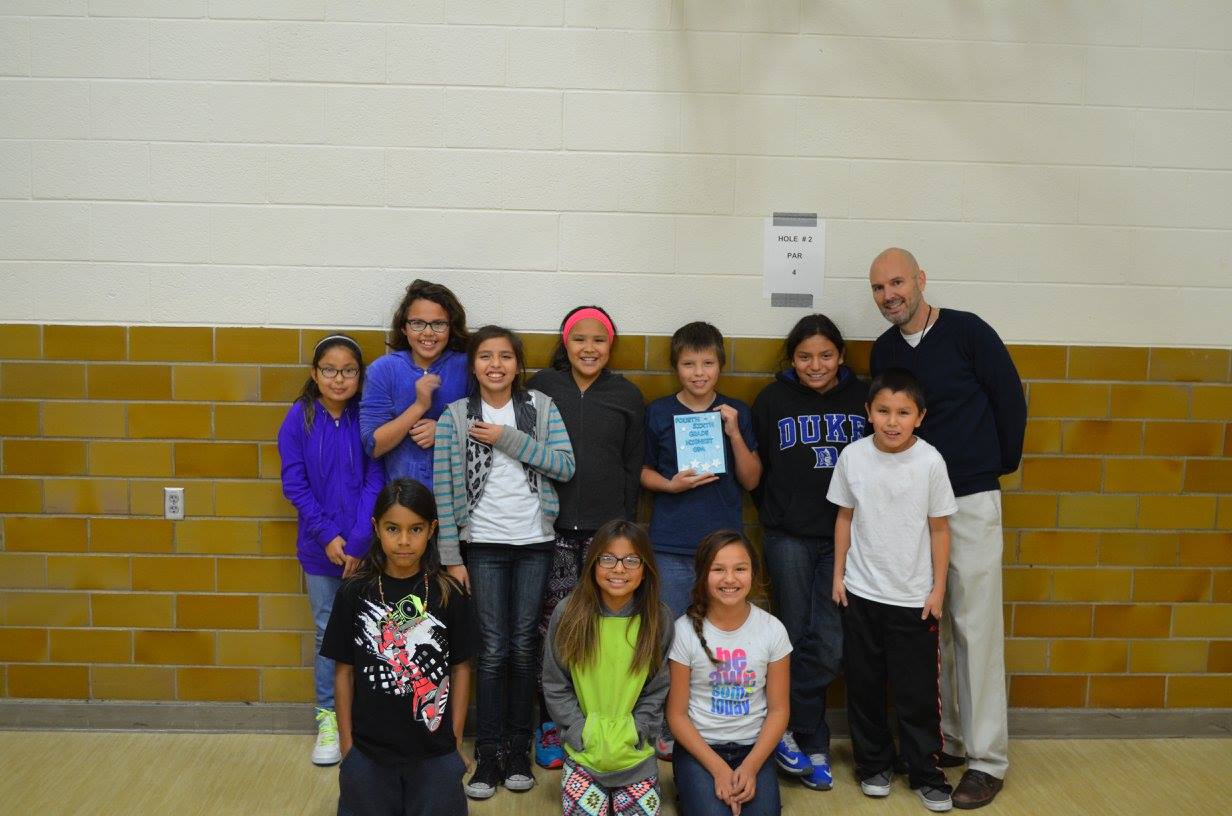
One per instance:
(331, 482)
(389, 389)
(977, 414)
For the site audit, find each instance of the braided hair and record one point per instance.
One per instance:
(699, 599)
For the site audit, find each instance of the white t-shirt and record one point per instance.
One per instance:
(893, 495)
(507, 512)
(914, 338)
(727, 702)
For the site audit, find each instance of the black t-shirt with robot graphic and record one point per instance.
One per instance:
(402, 648)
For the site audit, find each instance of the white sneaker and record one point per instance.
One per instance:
(326, 751)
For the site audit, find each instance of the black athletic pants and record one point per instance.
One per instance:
(884, 644)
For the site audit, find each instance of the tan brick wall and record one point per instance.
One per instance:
(1118, 541)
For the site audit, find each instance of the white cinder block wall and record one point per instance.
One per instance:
(1064, 168)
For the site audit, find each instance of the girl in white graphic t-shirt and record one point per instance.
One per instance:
(728, 703)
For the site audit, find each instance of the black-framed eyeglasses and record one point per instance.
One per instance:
(609, 561)
(329, 372)
(437, 326)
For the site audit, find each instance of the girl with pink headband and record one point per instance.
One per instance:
(604, 414)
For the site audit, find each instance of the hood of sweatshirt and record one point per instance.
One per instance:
(845, 381)
(800, 435)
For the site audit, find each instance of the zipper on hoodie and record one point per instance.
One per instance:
(577, 469)
(582, 433)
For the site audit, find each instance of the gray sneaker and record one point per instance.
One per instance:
(935, 799)
(878, 784)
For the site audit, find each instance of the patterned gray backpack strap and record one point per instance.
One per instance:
(478, 455)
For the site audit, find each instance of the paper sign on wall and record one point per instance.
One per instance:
(699, 442)
(794, 259)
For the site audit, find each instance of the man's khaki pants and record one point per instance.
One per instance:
(973, 700)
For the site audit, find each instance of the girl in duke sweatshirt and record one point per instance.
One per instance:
(802, 421)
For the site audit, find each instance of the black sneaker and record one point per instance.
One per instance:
(487, 776)
(518, 776)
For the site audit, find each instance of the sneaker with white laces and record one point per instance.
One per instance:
(935, 799)
(790, 759)
(820, 777)
(877, 785)
(326, 751)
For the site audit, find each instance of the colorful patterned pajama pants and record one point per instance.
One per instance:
(581, 795)
(567, 554)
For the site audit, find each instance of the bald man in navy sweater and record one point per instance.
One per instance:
(976, 418)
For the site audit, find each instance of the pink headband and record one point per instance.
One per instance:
(588, 314)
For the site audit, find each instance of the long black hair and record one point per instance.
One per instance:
(560, 355)
(413, 496)
(311, 392)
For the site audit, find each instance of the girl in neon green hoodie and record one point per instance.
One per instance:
(605, 676)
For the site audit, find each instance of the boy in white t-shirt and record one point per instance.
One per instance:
(891, 553)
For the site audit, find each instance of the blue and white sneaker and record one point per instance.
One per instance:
(548, 751)
(820, 778)
(789, 757)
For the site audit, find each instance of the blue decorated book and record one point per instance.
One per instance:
(699, 442)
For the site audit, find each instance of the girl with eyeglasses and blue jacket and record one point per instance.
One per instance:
(408, 388)
(333, 485)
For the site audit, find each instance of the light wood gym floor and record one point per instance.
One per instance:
(61, 772)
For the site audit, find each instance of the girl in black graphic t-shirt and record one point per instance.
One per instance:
(401, 634)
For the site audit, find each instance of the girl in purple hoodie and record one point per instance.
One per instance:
(333, 485)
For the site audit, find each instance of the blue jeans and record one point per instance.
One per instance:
(427, 786)
(695, 785)
(676, 578)
(801, 581)
(321, 592)
(508, 584)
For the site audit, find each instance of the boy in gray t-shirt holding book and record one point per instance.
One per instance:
(891, 553)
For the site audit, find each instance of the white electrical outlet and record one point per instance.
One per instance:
(173, 502)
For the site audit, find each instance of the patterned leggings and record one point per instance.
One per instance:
(581, 795)
(567, 553)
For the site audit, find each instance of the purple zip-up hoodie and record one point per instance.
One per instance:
(389, 389)
(332, 483)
